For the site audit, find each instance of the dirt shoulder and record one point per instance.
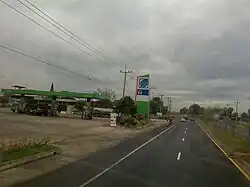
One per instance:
(77, 139)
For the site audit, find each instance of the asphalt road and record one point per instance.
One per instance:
(181, 157)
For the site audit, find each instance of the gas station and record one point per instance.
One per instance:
(26, 100)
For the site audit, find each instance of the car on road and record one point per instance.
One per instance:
(183, 120)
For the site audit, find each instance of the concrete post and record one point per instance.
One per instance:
(53, 106)
(21, 104)
(69, 109)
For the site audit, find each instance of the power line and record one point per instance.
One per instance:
(70, 43)
(40, 60)
(71, 35)
(79, 40)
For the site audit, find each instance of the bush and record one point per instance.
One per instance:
(135, 122)
(139, 117)
(143, 122)
(131, 121)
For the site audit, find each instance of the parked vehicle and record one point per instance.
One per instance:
(183, 119)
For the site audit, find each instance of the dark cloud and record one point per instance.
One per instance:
(195, 50)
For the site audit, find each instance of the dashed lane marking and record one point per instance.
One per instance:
(179, 156)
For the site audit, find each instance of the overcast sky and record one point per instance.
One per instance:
(195, 50)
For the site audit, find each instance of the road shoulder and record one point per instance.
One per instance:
(245, 170)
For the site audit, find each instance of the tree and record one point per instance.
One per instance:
(156, 105)
(184, 110)
(4, 100)
(211, 113)
(235, 114)
(226, 111)
(105, 103)
(126, 105)
(194, 109)
(109, 93)
(79, 105)
(244, 115)
(230, 111)
(165, 110)
(201, 110)
(248, 112)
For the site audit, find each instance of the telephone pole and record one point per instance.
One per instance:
(125, 72)
(169, 104)
(237, 108)
(161, 96)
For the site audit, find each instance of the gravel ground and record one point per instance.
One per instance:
(76, 137)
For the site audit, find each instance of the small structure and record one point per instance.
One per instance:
(113, 117)
(18, 87)
(46, 102)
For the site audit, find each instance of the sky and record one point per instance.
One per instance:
(195, 50)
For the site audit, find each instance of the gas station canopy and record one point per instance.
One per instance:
(94, 95)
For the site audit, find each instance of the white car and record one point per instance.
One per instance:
(183, 120)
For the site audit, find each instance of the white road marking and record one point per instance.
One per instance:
(183, 139)
(179, 156)
(185, 132)
(123, 158)
(186, 128)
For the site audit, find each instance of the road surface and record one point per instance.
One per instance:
(180, 157)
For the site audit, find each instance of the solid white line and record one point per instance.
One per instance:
(179, 156)
(123, 158)
(183, 139)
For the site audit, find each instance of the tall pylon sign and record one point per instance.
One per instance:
(142, 96)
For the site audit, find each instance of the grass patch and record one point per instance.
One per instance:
(231, 143)
(247, 159)
(19, 153)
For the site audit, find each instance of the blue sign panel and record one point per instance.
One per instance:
(143, 92)
(143, 83)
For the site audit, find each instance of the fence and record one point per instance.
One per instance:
(240, 130)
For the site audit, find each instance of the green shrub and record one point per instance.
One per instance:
(131, 121)
(143, 122)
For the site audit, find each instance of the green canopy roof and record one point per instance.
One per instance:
(93, 95)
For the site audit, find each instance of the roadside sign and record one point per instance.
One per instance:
(113, 119)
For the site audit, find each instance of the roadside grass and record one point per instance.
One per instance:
(247, 159)
(20, 153)
(18, 149)
(233, 145)
(241, 126)
(236, 148)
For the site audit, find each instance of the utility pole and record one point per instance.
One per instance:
(161, 96)
(169, 104)
(237, 108)
(125, 79)
(227, 110)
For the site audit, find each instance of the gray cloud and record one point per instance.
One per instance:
(195, 50)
